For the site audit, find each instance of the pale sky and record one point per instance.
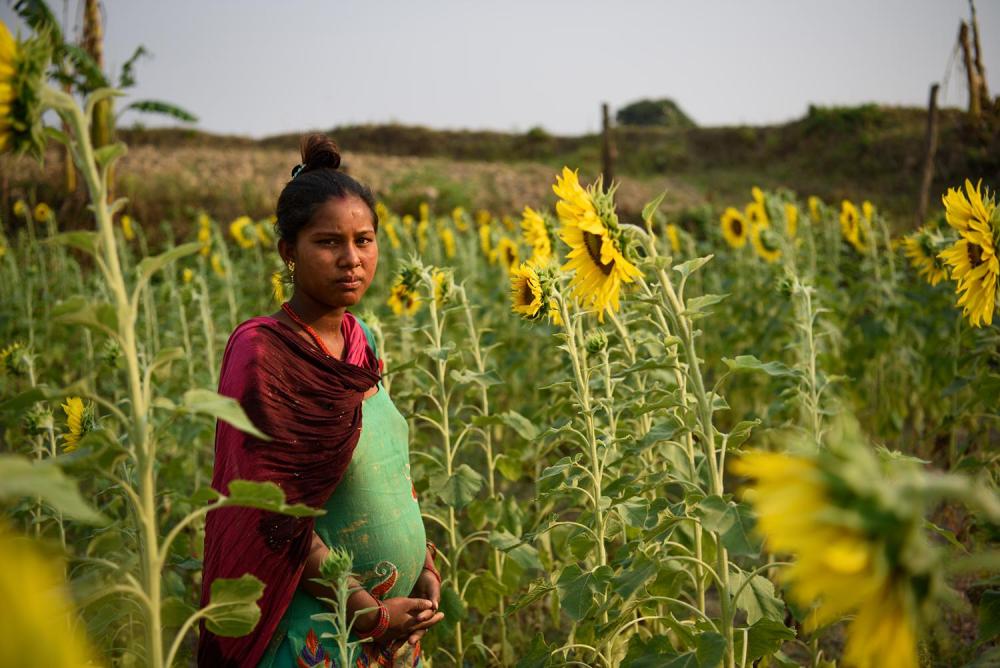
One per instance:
(263, 67)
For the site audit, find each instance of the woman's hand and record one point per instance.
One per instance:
(429, 588)
(408, 617)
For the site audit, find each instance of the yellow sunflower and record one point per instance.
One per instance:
(507, 252)
(43, 212)
(422, 228)
(536, 235)
(205, 233)
(447, 241)
(458, 217)
(442, 287)
(277, 287)
(238, 230)
(265, 231)
(127, 230)
(187, 275)
(757, 194)
(21, 209)
(851, 227)
(814, 211)
(486, 242)
(841, 566)
(973, 258)
(674, 237)
(22, 81)
(765, 242)
(389, 225)
(403, 300)
(216, 262)
(920, 248)
(526, 291)
(734, 228)
(961, 210)
(791, 220)
(590, 228)
(79, 420)
(425, 212)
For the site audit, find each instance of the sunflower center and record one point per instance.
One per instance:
(593, 243)
(737, 226)
(527, 296)
(975, 254)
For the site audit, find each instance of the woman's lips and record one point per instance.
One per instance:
(350, 283)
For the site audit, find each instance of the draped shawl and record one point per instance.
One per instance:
(310, 405)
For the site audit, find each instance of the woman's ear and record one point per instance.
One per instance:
(286, 251)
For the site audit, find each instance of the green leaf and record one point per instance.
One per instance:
(207, 402)
(452, 607)
(512, 419)
(536, 590)
(150, 265)
(765, 637)
(461, 487)
(733, 522)
(758, 599)
(20, 478)
(83, 240)
(468, 376)
(108, 154)
(740, 433)
(639, 572)
(265, 496)
(751, 363)
(648, 653)
(710, 648)
(99, 316)
(698, 305)
(577, 587)
(687, 268)
(232, 609)
(162, 108)
(989, 615)
(510, 468)
(538, 655)
(652, 206)
(523, 553)
(23, 401)
(174, 612)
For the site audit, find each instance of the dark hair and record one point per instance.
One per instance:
(314, 182)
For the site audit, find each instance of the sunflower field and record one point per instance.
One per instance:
(760, 436)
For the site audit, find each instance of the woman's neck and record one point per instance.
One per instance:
(325, 320)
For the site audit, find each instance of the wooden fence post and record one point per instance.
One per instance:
(930, 146)
(971, 76)
(608, 152)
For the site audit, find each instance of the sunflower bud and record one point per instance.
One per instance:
(337, 565)
(596, 342)
(38, 420)
(22, 86)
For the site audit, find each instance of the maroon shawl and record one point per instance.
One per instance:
(310, 404)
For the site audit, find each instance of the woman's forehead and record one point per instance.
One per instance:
(348, 215)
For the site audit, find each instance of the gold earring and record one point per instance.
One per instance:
(291, 270)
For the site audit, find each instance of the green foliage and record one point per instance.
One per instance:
(663, 113)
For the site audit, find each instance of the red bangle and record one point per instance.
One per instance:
(381, 626)
(434, 572)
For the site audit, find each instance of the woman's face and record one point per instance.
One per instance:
(336, 254)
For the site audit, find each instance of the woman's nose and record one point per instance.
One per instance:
(350, 257)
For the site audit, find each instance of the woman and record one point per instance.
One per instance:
(308, 376)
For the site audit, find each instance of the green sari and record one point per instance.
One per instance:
(375, 515)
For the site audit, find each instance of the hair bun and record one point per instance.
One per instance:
(319, 152)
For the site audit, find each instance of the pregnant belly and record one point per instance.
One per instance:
(383, 532)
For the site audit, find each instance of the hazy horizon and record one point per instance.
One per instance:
(258, 69)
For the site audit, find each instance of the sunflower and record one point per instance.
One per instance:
(757, 194)
(127, 230)
(851, 228)
(856, 548)
(962, 210)
(734, 228)
(526, 291)
(14, 359)
(441, 287)
(43, 212)
(485, 242)
(187, 275)
(674, 237)
(425, 212)
(205, 233)
(238, 230)
(590, 228)
(422, 228)
(756, 215)
(920, 247)
(507, 252)
(765, 241)
(79, 421)
(277, 287)
(973, 258)
(447, 241)
(814, 204)
(407, 222)
(38, 626)
(458, 217)
(403, 300)
(791, 220)
(217, 267)
(265, 231)
(389, 225)
(21, 209)
(22, 84)
(536, 235)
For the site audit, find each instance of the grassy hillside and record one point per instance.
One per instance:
(866, 152)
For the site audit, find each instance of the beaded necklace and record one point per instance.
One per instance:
(286, 307)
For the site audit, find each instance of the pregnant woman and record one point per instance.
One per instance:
(309, 377)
